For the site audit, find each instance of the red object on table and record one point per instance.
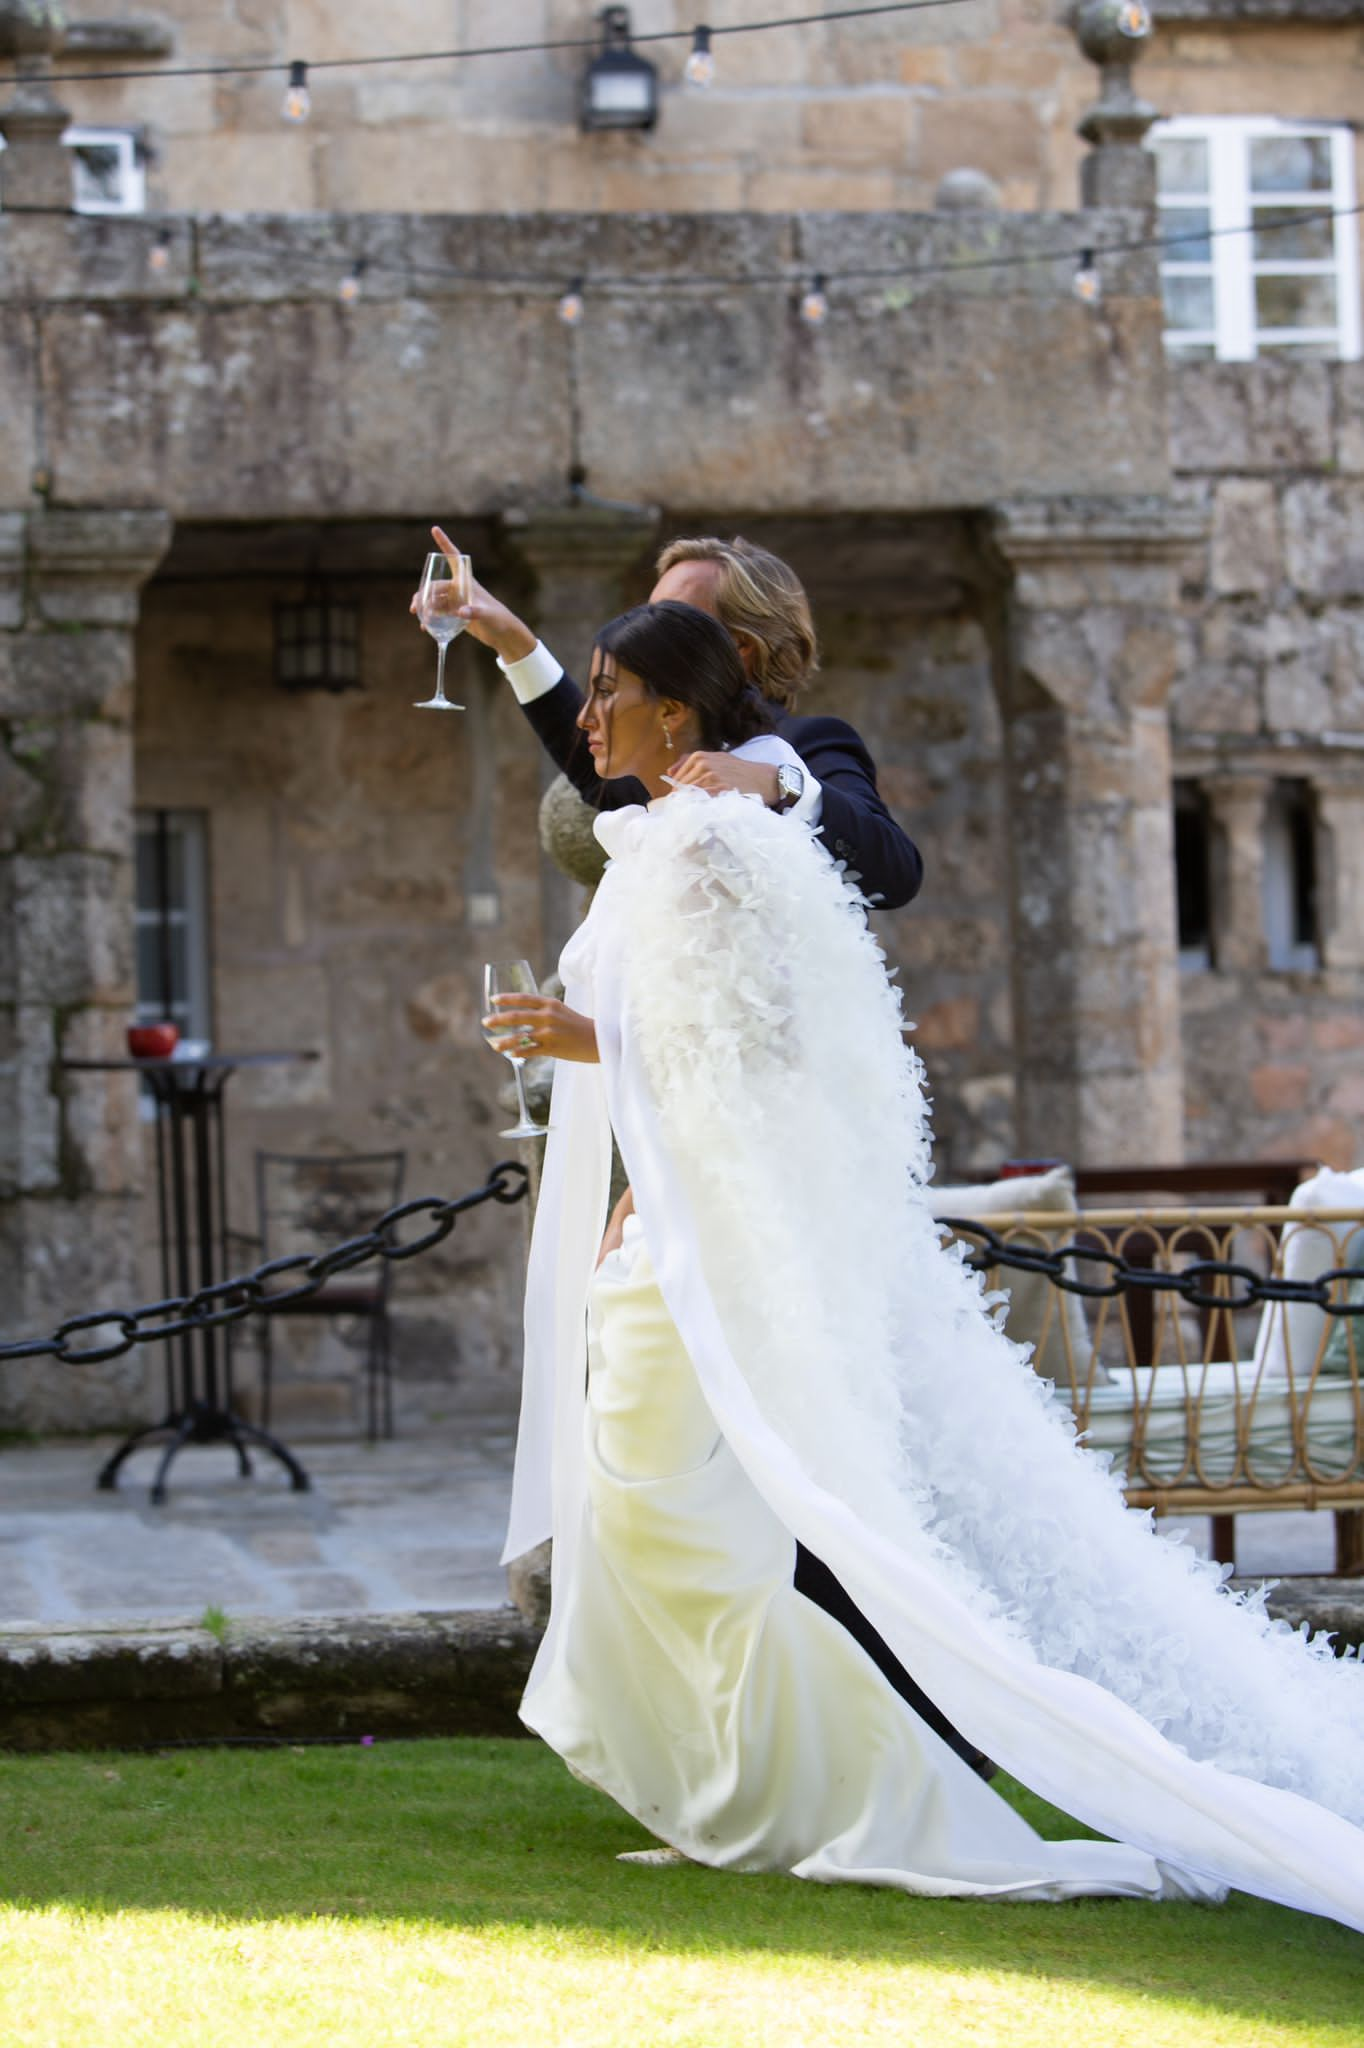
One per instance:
(152, 1041)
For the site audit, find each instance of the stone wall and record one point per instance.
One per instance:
(866, 115)
(234, 384)
(1272, 687)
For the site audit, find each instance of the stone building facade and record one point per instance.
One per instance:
(1059, 587)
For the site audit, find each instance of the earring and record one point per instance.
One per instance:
(667, 737)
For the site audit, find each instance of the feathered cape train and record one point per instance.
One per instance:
(773, 1125)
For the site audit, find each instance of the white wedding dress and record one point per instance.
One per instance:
(782, 1350)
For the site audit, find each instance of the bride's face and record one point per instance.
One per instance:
(628, 730)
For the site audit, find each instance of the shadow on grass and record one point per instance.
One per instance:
(481, 1835)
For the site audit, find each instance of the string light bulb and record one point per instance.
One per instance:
(1087, 284)
(351, 285)
(571, 304)
(297, 98)
(159, 255)
(700, 66)
(1134, 19)
(814, 305)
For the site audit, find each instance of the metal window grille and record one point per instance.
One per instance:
(317, 642)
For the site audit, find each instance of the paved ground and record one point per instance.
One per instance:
(414, 1524)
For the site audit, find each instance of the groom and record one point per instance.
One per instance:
(762, 603)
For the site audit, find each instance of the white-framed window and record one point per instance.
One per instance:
(172, 921)
(108, 170)
(1252, 279)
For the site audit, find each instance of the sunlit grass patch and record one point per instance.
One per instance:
(467, 1892)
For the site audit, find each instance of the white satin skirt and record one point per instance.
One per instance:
(684, 1675)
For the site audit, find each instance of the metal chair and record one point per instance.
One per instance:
(310, 1202)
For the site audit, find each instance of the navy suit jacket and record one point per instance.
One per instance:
(854, 823)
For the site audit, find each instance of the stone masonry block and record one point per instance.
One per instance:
(103, 1150)
(74, 925)
(1350, 418)
(94, 770)
(1255, 418)
(58, 674)
(1245, 556)
(1324, 537)
(87, 567)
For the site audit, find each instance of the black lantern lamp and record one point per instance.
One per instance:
(317, 641)
(620, 90)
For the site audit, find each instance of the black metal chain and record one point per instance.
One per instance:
(248, 1294)
(228, 1301)
(1188, 1283)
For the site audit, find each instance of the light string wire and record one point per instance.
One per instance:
(357, 263)
(270, 67)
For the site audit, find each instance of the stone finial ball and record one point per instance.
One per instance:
(967, 191)
(31, 28)
(566, 833)
(1111, 31)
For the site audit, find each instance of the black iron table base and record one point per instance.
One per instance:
(191, 1194)
(202, 1424)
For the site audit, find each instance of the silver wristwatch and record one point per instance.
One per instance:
(790, 785)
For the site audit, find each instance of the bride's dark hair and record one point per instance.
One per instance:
(681, 652)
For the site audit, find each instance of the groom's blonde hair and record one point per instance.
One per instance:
(762, 601)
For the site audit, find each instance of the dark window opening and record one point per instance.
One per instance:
(1291, 877)
(1193, 875)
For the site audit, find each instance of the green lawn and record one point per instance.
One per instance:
(466, 1892)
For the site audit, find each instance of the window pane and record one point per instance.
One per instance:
(1284, 236)
(149, 984)
(1307, 351)
(99, 173)
(1181, 166)
(1188, 301)
(1295, 302)
(1184, 230)
(1190, 351)
(1290, 163)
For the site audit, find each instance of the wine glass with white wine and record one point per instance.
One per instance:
(511, 978)
(444, 585)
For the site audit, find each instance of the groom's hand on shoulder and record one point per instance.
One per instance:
(715, 773)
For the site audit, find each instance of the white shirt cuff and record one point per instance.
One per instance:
(809, 805)
(534, 675)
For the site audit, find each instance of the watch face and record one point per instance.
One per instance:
(790, 783)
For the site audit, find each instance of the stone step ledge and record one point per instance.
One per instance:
(140, 1684)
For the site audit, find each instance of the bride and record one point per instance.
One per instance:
(772, 1344)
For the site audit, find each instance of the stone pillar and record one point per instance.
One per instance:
(1340, 817)
(1118, 171)
(35, 170)
(579, 555)
(1238, 912)
(70, 1151)
(1085, 654)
